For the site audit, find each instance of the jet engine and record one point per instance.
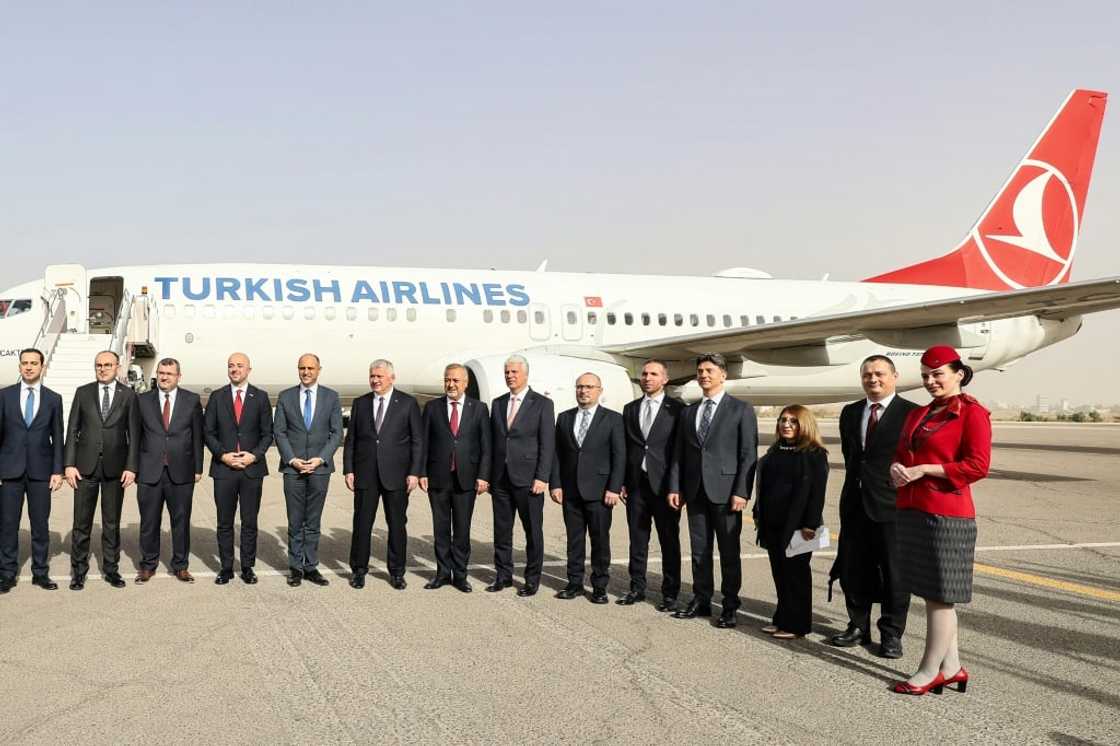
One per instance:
(554, 376)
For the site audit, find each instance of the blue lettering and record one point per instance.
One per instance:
(385, 291)
(404, 290)
(517, 295)
(297, 290)
(253, 288)
(278, 289)
(494, 293)
(363, 291)
(425, 298)
(467, 291)
(446, 293)
(226, 286)
(321, 289)
(165, 283)
(190, 295)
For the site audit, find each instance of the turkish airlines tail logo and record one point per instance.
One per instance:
(1027, 236)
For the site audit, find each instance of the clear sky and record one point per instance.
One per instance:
(799, 138)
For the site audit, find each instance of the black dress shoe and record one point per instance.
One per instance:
(669, 603)
(851, 637)
(397, 581)
(434, 583)
(726, 620)
(358, 580)
(295, 578)
(44, 582)
(316, 577)
(6, 584)
(462, 585)
(693, 610)
(498, 585)
(631, 598)
(223, 578)
(248, 577)
(599, 596)
(570, 591)
(527, 590)
(114, 579)
(78, 582)
(890, 647)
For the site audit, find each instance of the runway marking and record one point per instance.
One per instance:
(1101, 594)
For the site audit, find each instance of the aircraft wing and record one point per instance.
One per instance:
(1051, 302)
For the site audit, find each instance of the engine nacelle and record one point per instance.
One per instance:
(553, 376)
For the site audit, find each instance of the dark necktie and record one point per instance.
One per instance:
(307, 409)
(705, 421)
(104, 402)
(454, 429)
(380, 416)
(29, 407)
(167, 411)
(872, 421)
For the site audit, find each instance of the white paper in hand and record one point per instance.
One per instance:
(798, 545)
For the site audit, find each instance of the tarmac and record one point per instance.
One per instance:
(168, 662)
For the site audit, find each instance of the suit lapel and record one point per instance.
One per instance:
(118, 396)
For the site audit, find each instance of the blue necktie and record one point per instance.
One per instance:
(29, 407)
(307, 408)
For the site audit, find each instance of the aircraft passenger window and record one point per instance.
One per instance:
(188, 311)
(372, 314)
(711, 320)
(727, 319)
(694, 319)
(390, 314)
(4, 307)
(329, 313)
(592, 318)
(777, 319)
(228, 311)
(410, 314)
(678, 319)
(538, 317)
(522, 317)
(487, 315)
(662, 320)
(793, 318)
(268, 312)
(209, 312)
(351, 314)
(168, 311)
(571, 316)
(744, 320)
(611, 319)
(248, 312)
(505, 316)
(17, 307)
(451, 315)
(309, 313)
(287, 312)
(760, 319)
(645, 319)
(628, 318)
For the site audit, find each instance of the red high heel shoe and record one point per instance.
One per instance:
(960, 678)
(905, 687)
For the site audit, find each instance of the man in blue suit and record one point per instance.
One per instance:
(30, 465)
(308, 430)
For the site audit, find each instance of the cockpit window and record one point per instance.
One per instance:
(10, 308)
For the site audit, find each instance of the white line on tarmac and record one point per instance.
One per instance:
(428, 565)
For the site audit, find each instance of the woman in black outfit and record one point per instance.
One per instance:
(791, 484)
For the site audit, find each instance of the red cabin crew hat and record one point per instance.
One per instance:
(939, 355)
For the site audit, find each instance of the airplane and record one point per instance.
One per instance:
(1001, 294)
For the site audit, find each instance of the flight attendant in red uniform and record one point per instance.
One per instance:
(945, 446)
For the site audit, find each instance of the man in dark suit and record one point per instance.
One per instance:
(31, 466)
(308, 429)
(586, 480)
(238, 434)
(523, 429)
(651, 431)
(102, 449)
(713, 474)
(382, 458)
(867, 562)
(454, 471)
(171, 435)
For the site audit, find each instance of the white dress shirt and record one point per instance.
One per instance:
(579, 418)
(168, 395)
(314, 389)
(23, 387)
(388, 397)
(112, 386)
(460, 401)
(654, 404)
(700, 410)
(243, 388)
(883, 404)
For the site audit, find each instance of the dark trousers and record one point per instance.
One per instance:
(581, 519)
(85, 502)
(708, 520)
(229, 493)
(793, 582)
(179, 499)
(871, 574)
(643, 508)
(11, 512)
(304, 495)
(396, 516)
(451, 524)
(508, 498)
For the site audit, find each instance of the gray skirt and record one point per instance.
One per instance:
(937, 554)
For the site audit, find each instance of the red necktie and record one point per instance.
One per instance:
(166, 412)
(872, 421)
(454, 429)
(237, 407)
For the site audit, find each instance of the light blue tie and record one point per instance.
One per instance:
(29, 407)
(307, 408)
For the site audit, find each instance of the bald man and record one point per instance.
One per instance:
(238, 433)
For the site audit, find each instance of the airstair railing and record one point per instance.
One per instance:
(54, 323)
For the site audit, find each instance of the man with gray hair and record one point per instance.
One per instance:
(522, 428)
(381, 457)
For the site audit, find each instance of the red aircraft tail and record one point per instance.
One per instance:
(1027, 235)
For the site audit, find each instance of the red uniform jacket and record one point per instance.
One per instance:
(960, 439)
